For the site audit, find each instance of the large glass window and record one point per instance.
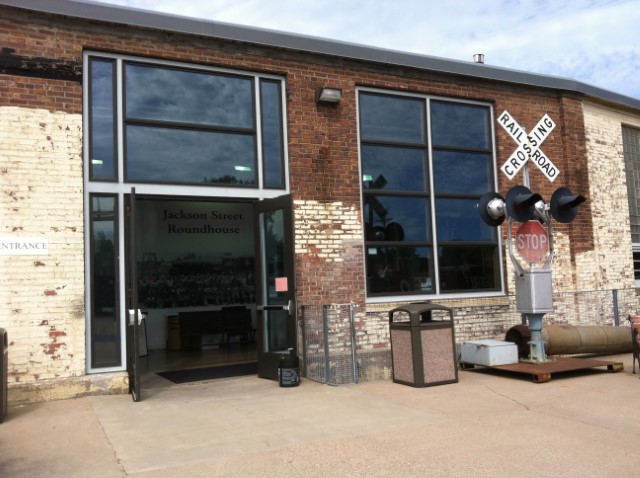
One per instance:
(272, 141)
(186, 126)
(105, 325)
(102, 104)
(419, 240)
(188, 97)
(631, 147)
(159, 154)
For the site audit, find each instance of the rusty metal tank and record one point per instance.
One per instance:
(574, 339)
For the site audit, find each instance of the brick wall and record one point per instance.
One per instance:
(328, 247)
(43, 296)
(610, 264)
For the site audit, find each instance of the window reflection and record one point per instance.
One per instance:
(105, 327)
(393, 168)
(272, 143)
(458, 124)
(102, 149)
(398, 204)
(468, 267)
(168, 94)
(392, 118)
(186, 156)
(399, 270)
(389, 218)
(458, 220)
(462, 173)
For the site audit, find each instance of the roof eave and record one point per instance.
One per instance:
(90, 10)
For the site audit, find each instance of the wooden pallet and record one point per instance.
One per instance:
(542, 372)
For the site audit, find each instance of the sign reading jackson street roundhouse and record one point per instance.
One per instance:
(203, 227)
(528, 146)
(24, 246)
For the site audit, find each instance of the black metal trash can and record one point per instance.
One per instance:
(4, 369)
(422, 348)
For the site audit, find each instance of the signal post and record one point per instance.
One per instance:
(534, 238)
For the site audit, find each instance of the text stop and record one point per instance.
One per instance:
(532, 241)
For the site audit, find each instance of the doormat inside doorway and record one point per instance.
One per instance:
(209, 373)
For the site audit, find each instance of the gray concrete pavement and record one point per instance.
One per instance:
(577, 425)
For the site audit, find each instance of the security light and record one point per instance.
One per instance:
(328, 95)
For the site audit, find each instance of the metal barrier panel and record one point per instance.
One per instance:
(342, 345)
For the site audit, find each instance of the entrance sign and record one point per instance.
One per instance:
(532, 241)
(24, 246)
(528, 146)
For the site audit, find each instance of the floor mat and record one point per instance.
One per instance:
(208, 373)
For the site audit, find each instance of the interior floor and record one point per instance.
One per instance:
(161, 360)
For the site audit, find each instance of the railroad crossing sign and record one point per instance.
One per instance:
(528, 146)
(532, 241)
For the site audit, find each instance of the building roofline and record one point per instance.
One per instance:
(90, 10)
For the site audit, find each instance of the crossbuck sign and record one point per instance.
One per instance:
(528, 146)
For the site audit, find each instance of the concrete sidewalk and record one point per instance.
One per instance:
(582, 424)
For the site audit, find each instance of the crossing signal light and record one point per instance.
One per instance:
(564, 205)
(521, 203)
(492, 210)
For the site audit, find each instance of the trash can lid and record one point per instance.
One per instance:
(416, 310)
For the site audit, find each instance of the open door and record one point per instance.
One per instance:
(133, 314)
(275, 287)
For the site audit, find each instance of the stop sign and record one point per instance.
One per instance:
(532, 241)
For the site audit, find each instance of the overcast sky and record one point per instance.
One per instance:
(592, 41)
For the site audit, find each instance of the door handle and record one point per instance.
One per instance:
(288, 307)
(132, 314)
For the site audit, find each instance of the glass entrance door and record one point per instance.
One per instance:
(275, 287)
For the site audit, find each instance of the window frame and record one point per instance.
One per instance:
(120, 187)
(431, 241)
(257, 190)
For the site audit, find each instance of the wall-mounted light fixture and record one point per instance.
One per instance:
(326, 94)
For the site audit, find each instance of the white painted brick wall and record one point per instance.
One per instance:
(42, 196)
(326, 230)
(610, 264)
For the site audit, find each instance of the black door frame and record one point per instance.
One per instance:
(133, 314)
(267, 360)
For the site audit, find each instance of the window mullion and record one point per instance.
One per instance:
(432, 200)
(120, 119)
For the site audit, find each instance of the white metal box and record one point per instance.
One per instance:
(489, 352)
